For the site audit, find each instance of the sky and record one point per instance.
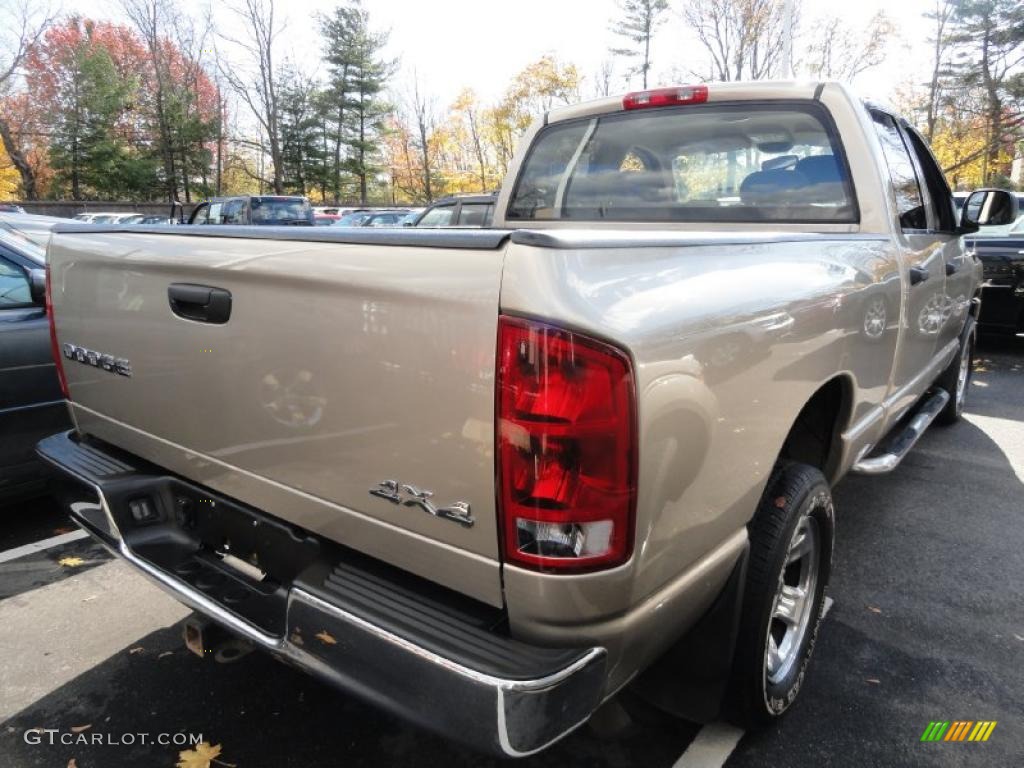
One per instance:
(482, 44)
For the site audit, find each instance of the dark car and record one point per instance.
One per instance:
(31, 402)
(268, 210)
(1001, 250)
(462, 211)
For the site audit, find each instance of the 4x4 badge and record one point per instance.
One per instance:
(411, 496)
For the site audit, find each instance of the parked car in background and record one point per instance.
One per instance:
(11, 208)
(111, 217)
(30, 226)
(31, 403)
(1001, 250)
(373, 218)
(460, 211)
(266, 210)
(156, 220)
(324, 219)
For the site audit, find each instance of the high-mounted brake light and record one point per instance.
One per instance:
(666, 97)
(54, 348)
(566, 448)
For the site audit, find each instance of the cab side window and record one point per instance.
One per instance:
(939, 193)
(909, 200)
(14, 287)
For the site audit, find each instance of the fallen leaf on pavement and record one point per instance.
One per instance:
(72, 763)
(62, 529)
(165, 653)
(1019, 637)
(874, 681)
(136, 649)
(70, 562)
(325, 637)
(80, 728)
(874, 610)
(200, 757)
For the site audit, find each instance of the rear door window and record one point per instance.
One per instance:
(909, 200)
(438, 217)
(271, 210)
(233, 212)
(773, 162)
(475, 214)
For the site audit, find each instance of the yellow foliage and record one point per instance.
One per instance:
(10, 180)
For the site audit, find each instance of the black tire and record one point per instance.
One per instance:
(950, 380)
(795, 493)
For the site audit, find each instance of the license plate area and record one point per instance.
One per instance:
(239, 557)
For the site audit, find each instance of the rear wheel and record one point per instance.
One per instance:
(956, 378)
(791, 539)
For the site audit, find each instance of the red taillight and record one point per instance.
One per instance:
(54, 348)
(666, 97)
(566, 448)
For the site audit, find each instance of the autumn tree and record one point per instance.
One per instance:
(539, 87)
(989, 40)
(86, 151)
(22, 24)
(637, 23)
(743, 39)
(179, 100)
(467, 110)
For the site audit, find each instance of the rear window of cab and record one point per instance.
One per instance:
(776, 162)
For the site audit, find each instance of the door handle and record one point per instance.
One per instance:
(201, 303)
(918, 275)
(952, 268)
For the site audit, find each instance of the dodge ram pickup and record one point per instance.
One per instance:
(487, 479)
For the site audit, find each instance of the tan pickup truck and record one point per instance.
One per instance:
(488, 478)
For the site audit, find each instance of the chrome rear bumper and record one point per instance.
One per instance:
(412, 655)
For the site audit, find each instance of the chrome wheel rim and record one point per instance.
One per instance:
(793, 606)
(962, 375)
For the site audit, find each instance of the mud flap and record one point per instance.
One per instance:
(691, 679)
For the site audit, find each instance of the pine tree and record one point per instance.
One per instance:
(640, 19)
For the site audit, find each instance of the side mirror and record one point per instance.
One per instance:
(37, 286)
(988, 208)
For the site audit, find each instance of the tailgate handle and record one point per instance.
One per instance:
(201, 303)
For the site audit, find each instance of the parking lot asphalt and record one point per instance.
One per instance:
(927, 624)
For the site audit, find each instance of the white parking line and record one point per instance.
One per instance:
(712, 747)
(39, 546)
(715, 742)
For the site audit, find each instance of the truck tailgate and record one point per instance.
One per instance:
(350, 380)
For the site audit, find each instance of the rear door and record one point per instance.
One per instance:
(350, 391)
(924, 277)
(958, 267)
